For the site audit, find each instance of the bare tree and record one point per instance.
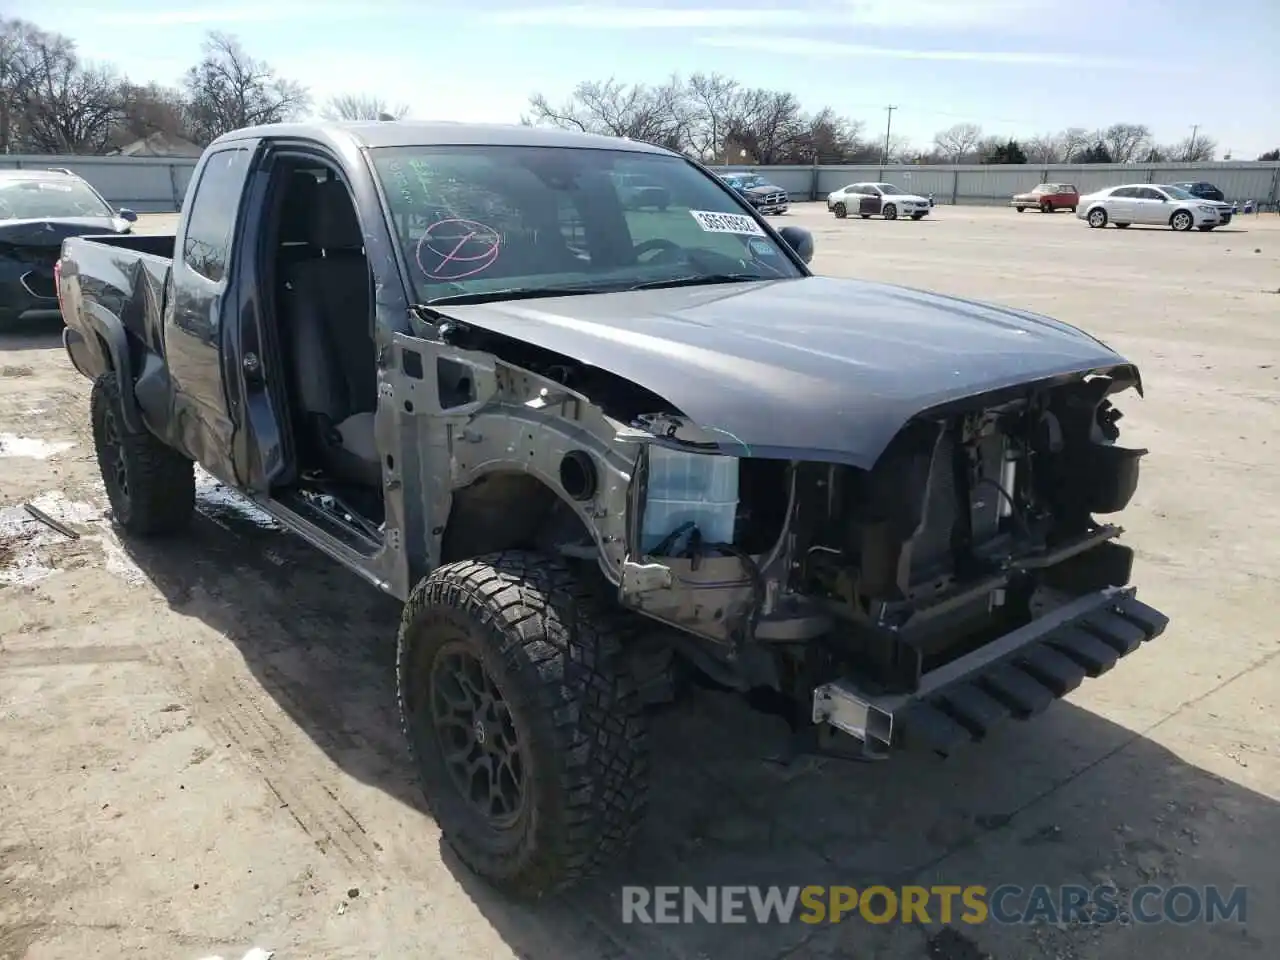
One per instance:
(649, 114)
(1075, 141)
(1195, 149)
(766, 125)
(1125, 141)
(147, 110)
(360, 106)
(69, 107)
(711, 99)
(959, 141)
(1045, 148)
(229, 89)
(827, 137)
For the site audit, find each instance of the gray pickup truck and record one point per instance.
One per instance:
(595, 448)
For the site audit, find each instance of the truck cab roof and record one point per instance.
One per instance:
(404, 133)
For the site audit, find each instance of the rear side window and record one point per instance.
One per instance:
(213, 213)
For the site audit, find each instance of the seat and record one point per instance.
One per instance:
(328, 318)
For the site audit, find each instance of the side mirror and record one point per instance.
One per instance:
(800, 240)
(129, 215)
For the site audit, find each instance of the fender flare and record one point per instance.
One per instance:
(111, 336)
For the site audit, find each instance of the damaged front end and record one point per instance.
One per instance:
(962, 580)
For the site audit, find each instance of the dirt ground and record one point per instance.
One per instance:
(198, 752)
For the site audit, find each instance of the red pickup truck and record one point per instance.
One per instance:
(1047, 198)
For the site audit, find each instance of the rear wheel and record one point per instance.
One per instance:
(1046, 207)
(151, 487)
(1122, 226)
(1019, 209)
(523, 719)
(1097, 218)
(840, 210)
(890, 212)
(1182, 221)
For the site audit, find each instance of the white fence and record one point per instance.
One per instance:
(996, 183)
(157, 185)
(144, 184)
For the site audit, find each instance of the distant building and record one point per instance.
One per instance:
(159, 144)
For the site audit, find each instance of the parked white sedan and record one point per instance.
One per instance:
(876, 199)
(1152, 204)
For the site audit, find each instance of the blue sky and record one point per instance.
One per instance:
(1017, 67)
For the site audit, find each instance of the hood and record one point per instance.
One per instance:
(813, 368)
(914, 197)
(764, 188)
(51, 233)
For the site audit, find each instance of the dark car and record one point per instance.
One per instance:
(1204, 190)
(576, 458)
(38, 210)
(766, 197)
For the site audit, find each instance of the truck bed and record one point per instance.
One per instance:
(113, 290)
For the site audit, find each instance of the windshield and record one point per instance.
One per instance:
(888, 189)
(751, 180)
(37, 199)
(520, 221)
(1178, 193)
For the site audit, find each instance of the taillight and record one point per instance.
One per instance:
(57, 285)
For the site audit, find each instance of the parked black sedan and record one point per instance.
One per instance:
(38, 210)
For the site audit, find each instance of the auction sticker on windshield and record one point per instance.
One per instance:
(726, 223)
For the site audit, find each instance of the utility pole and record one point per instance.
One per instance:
(884, 157)
(1191, 147)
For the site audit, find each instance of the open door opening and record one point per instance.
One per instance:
(319, 300)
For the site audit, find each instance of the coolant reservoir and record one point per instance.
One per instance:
(698, 488)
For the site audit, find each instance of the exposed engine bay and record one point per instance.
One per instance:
(971, 524)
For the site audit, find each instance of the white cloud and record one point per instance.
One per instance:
(802, 46)
(917, 14)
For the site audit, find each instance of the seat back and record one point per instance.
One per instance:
(329, 315)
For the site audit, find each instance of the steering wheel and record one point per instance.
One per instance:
(660, 246)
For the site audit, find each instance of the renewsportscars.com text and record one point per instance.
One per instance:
(1004, 904)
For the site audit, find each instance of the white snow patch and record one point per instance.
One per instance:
(30, 535)
(12, 445)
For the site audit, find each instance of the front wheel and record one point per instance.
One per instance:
(523, 720)
(1097, 218)
(1181, 221)
(840, 210)
(151, 487)
(890, 212)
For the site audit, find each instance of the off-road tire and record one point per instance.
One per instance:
(158, 492)
(840, 210)
(547, 641)
(890, 211)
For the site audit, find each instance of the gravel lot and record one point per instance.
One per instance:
(198, 751)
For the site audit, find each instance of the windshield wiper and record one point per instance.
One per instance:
(701, 279)
(510, 293)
